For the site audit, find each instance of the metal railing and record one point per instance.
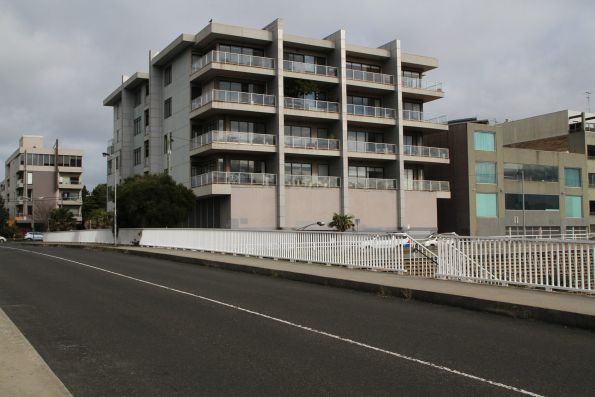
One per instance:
(303, 142)
(371, 147)
(311, 68)
(311, 104)
(415, 115)
(312, 181)
(549, 264)
(233, 59)
(372, 183)
(232, 137)
(248, 98)
(422, 84)
(233, 178)
(425, 151)
(372, 77)
(426, 186)
(371, 111)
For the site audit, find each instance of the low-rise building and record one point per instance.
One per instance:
(274, 130)
(534, 176)
(39, 179)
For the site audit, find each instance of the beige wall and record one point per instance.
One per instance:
(421, 210)
(307, 205)
(375, 209)
(253, 207)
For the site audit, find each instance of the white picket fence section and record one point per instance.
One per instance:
(373, 251)
(547, 264)
(96, 236)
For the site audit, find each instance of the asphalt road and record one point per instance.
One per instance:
(160, 328)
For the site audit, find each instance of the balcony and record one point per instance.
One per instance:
(370, 77)
(300, 142)
(231, 62)
(414, 118)
(442, 187)
(311, 69)
(232, 137)
(311, 108)
(20, 183)
(233, 178)
(426, 152)
(421, 84)
(312, 181)
(371, 111)
(232, 100)
(372, 147)
(372, 183)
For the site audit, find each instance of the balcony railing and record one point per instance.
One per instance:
(372, 183)
(234, 178)
(311, 68)
(371, 147)
(415, 115)
(248, 98)
(312, 181)
(232, 137)
(422, 84)
(360, 75)
(311, 104)
(371, 111)
(426, 186)
(232, 59)
(425, 151)
(311, 143)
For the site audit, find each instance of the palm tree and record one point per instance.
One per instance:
(342, 222)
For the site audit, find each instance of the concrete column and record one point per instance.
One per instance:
(126, 134)
(394, 68)
(339, 59)
(276, 27)
(156, 158)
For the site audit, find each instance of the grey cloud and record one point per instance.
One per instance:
(506, 59)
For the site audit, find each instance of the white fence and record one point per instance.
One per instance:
(548, 264)
(96, 236)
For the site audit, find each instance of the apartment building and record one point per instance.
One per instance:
(273, 130)
(534, 176)
(39, 179)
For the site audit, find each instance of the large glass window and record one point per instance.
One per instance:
(298, 168)
(485, 141)
(167, 76)
(241, 50)
(591, 180)
(366, 172)
(533, 202)
(485, 172)
(486, 205)
(167, 108)
(247, 126)
(362, 100)
(572, 177)
(294, 130)
(363, 67)
(137, 126)
(241, 87)
(574, 206)
(531, 172)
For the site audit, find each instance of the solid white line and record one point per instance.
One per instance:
(295, 325)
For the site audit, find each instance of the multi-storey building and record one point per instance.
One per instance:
(273, 130)
(39, 179)
(534, 176)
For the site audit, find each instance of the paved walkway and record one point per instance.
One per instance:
(23, 372)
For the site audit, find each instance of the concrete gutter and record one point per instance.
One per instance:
(22, 371)
(564, 308)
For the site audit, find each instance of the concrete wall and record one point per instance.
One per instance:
(533, 128)
(375, 209)
(309, 205)
(421, 211)
(253, 207)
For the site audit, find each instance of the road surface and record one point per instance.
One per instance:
(111, 324)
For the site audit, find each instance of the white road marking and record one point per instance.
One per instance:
(295, 325)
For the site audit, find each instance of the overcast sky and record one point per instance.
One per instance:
(498, 59)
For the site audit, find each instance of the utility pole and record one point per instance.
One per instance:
(588, 97)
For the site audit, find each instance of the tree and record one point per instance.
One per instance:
(99, 219)
(3, 218)
(153, 201)
(342, 222)
(60, 220)
(94, 200)
(42, 209)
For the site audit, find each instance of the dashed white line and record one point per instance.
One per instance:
(296, 325)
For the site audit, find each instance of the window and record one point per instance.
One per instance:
(137, 97)
(117, 163)
(366, 172)
(247, 126)
(361, 100)
(167, 143)
(485, 172)
(363, 67)
(572, 177)
(591, 180)
(298, 168)
(591, 207)
(531, 172)
(146, 149)
(241, 87)
(137, 126)
(117, 111)
(574, 206)
(294, 130)
(109, 167)
(412, 74)
(167, 76)
(167, 108)
(533, 202)
(147, 118)
(485, 141)
(486, 205)
(117, 136)
(241, 50)
(309, 59)
(577, 232)
(249, 166)
(137, 156)
(147, 90)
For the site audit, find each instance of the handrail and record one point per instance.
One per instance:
(426, 185)
(312, 68)
(371, 147)
(232, 137)
(311, 143)
(422, 84)
(372, 183)
(416, 115)
(371, 111)
(311, 104)
(232, 59)
(425, 151)
(233, 178)
(249, 98)
(373, 77)
(312, 181)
